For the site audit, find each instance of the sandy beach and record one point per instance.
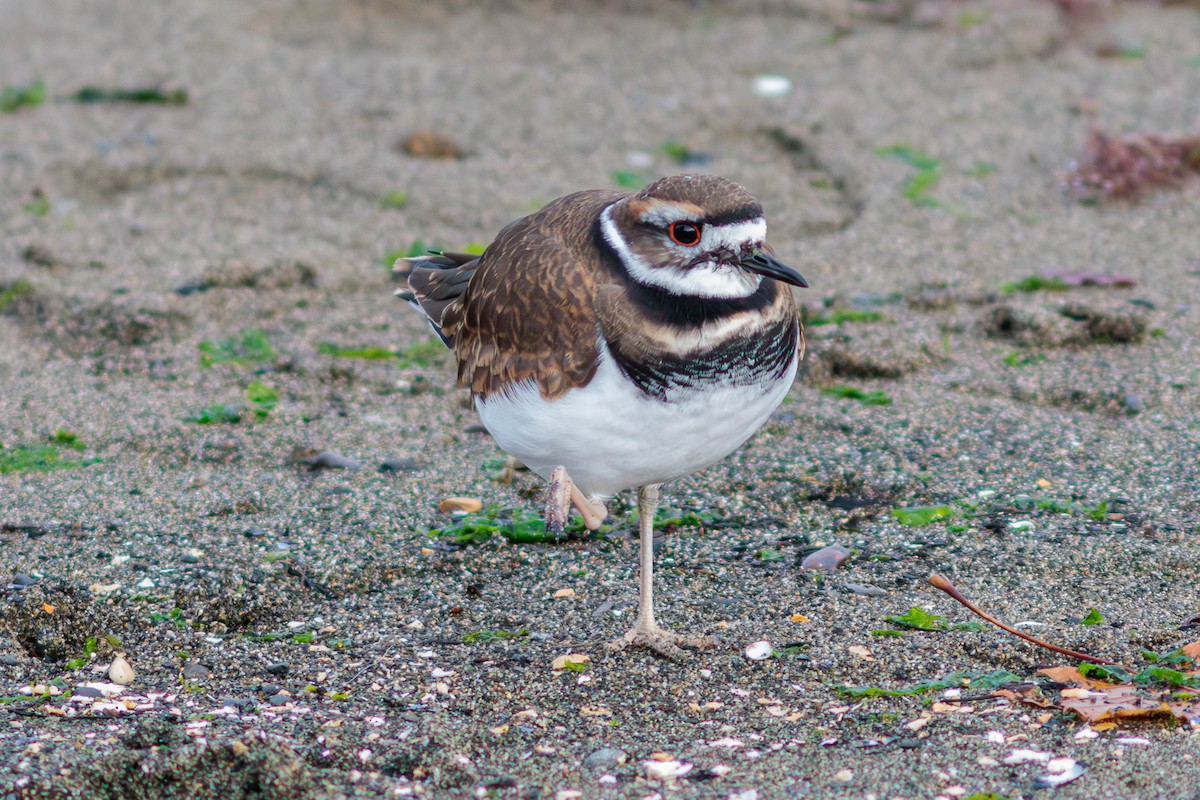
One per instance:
(1001, 386)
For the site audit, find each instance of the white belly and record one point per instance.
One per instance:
(610, 436)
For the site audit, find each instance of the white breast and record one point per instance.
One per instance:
(610, 436)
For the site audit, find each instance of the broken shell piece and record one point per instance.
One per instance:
(120, 672)
(666, 770)
(759, 651)
(1061, 770)
(1025, 756)
(466, 505)
(570, 660)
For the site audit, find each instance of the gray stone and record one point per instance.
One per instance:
(605, 758)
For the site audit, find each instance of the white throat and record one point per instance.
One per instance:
(710, 280)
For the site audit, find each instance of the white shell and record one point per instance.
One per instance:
(759, 651)
(120, 672)
(1061, 770)
(666, 770)
(772, 85)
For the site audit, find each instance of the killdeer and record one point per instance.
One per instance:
(618, 340)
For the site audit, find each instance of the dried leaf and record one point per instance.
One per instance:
(1071, 677)
(1125, 701)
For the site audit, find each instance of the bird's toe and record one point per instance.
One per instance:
(670, 645)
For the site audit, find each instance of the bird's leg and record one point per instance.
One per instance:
(645, 631)
(561, 494)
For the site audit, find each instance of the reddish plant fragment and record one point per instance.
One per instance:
(943, 583)
(1124, 167)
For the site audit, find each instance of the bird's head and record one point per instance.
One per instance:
(694, 236)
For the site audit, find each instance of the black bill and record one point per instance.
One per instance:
(765, 264)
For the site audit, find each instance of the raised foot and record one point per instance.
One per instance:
(561, 495)
(665, 643)
(558, 501)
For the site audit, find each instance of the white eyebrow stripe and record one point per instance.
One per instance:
(663, 214)
(734, 235)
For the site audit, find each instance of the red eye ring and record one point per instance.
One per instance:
(685, 233)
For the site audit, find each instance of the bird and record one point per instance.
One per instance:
(619, 340)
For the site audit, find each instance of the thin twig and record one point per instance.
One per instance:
(944, 584)
(308, 582)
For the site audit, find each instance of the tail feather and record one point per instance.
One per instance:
(434, 282)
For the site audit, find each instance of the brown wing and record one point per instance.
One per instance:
(529, 309)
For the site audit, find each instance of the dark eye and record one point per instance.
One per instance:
(685, 233)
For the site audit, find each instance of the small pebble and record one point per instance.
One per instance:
(330, 460)
(639, 159)
(399, 465)
(759, 651)
(8, 661)
(605, 757)
(195, 672)
(430, 144)
(120, 672)
(827, 558)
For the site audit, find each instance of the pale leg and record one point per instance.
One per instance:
(561, 495)
(645, 631)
